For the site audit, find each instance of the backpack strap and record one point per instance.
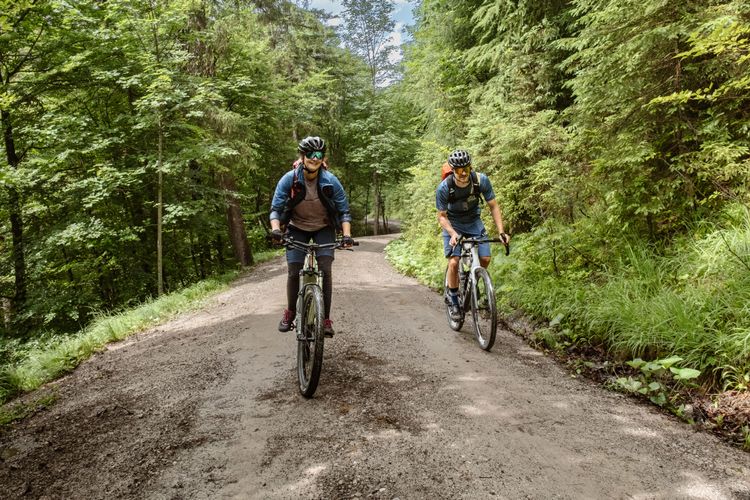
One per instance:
(451, 189)
(474, 187)
(294, 190)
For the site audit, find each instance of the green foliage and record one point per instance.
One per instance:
(660, 154)
(653, 376)
(691, 303)
(19, 411)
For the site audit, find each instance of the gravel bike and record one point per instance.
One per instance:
(308, 322)
(475, 292)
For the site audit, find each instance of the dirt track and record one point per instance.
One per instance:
(207, 407)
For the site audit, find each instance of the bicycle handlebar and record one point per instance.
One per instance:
(464, 239)
(337, 245)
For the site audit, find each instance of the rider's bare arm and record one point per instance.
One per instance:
(445, 224)
(497, 216)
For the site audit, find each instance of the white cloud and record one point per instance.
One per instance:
(335, 21)
(396, 40)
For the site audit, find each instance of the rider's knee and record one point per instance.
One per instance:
(484, 261)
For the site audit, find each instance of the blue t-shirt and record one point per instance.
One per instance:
(463, 213)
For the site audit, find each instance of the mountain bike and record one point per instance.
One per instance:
(475, 292)
(308, 322)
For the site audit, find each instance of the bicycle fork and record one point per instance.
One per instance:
(465, 291)
(307, 278)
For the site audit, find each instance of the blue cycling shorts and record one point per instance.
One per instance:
(484, 248)
(321, 236)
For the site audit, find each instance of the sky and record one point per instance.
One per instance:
(402, 14)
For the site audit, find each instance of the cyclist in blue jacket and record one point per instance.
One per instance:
(310, 204)
(457, 200)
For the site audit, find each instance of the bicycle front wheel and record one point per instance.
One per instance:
(484, 309)
(310, 341)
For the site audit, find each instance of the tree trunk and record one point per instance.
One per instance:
(194, 255)
(160, 189)
(16, 222)
(204, 64)
(220, 252)
(237, 234)
(376, 201)
(367, 207)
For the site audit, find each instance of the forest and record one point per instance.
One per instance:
(143, 140)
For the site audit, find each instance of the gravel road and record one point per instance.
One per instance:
(207, 406)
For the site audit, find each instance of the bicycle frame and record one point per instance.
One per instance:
(470, 258)
(309, 275)
(309, 316)
(475, 292)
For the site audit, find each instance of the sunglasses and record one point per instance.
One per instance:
(460, 170)
(314, 155)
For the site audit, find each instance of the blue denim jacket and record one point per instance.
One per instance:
(290, 191)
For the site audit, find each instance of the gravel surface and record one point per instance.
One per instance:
(207, 406)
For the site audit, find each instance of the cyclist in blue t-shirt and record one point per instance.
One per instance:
(457, 200)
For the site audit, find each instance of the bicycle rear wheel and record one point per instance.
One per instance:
(310, 341)
(484, 310)
(454, 324)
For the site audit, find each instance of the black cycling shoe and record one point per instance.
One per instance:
(455, 312)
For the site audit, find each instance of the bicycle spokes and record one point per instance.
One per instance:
(306, 338)
(483, 310)
(310, 340)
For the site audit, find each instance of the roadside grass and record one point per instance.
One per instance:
(23, 410)
(37, 362)
(692, 301)
(418, 263)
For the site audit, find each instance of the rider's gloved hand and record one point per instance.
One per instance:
(277, 237)
(347, 242)
(505, 237)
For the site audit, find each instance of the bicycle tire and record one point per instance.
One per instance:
(484, 309)
(453, 324)
(310, 341)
